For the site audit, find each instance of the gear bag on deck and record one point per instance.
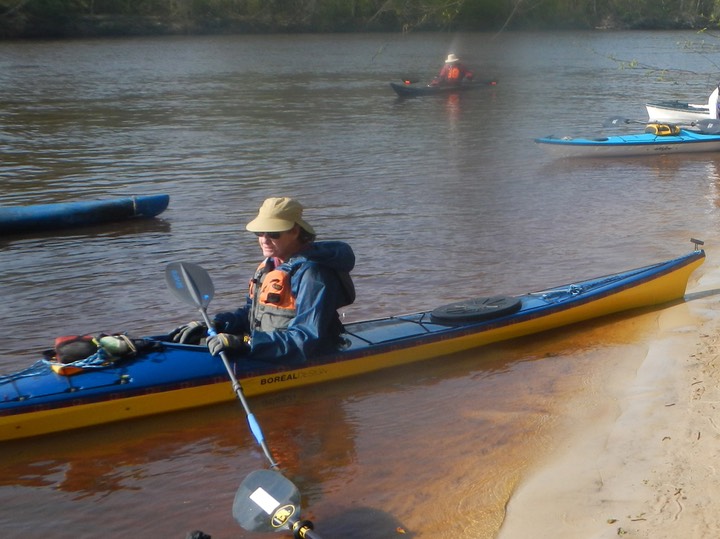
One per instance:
(74, 353)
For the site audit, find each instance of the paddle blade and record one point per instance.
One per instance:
(266, 501)
(709, 126)
(190, 283)
(616, 121)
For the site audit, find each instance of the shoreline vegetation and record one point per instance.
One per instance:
(61, 19)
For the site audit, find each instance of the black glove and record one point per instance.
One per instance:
(190, 333)
(225, 342)
(224, 322)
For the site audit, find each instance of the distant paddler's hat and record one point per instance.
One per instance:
(451, 59)
(279, 214)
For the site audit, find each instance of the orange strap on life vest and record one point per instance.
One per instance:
(453, 73)
(275, 288)
(273, 304)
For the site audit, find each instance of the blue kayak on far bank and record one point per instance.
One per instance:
(674, 140)
(39, 217)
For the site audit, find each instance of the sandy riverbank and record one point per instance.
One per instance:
(639, 456)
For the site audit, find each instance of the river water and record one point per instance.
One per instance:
(441, 198)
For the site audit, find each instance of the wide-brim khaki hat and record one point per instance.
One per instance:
(278, 214)
(451, 59)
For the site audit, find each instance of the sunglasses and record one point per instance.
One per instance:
(271, 235)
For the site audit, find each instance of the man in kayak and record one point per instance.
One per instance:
(452, 73)
(291, 308)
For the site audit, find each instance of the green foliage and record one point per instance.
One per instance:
(54, 8)
(82, 17)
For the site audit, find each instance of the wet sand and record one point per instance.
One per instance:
(637, 455)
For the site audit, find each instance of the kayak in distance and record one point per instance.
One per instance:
(681, 112)
(658, 139)
(677, 112)
(52, 396)
(412, 89)
(61, 215)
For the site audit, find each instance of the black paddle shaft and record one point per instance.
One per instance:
(304, 530)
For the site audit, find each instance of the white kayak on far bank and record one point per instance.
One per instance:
(682, 113)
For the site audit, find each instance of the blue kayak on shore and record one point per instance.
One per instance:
(19, 219)
(162, 376)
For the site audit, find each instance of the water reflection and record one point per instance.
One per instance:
(661, 166)
(111, 456)
(713, 175)
(108, 230)
(452, 106)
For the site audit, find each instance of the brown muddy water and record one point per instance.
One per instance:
(441, 198)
